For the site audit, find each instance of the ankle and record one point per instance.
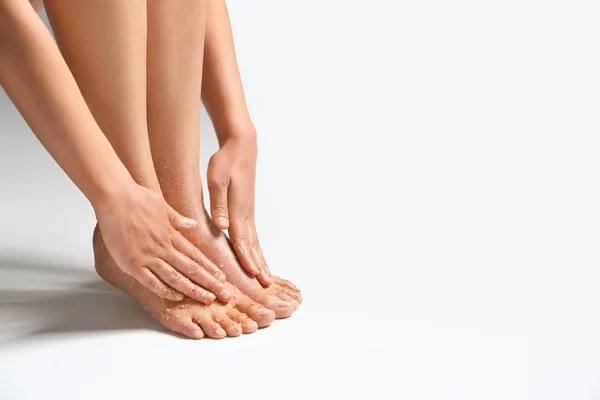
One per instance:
(184, 194)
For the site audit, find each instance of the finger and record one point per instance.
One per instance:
(240, 205)
(188, 249)
(176, 280)
(178, 221)
(263, 261)
(196, 274)
(256, 253)
(156, 286)
(218, 188)
(264, 279)
(240, 245)
(242, 250)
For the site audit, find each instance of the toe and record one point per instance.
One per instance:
(232, 328)
(286, 297)
(247, 324)
(282, 308)
(294, 293)
(210, 327)
(285, 282)
(184, 326)
(261, 315)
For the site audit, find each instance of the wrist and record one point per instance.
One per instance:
(240, 128)
(108, 192)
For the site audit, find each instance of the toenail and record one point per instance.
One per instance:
(283, 304)
(262, 312)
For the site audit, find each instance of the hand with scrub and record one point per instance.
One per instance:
(231, 176)
(139, 228)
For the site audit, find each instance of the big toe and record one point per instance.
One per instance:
(287, 298)
(281, 307)
(289, 288)
(261, 315)
(295, 294)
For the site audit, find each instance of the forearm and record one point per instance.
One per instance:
(222, 90)
(38, 81)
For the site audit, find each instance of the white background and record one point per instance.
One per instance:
(428, 176)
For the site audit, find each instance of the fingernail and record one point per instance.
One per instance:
(190, 222)
(266, 277)
(225, 294)
(222, 221)
(222, 277)
(210, 297)
(262, 312)
(221, 332)
(284, 304)
(179, 296)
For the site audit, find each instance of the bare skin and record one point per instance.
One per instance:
(173, 101)
(140, 229)
(281, 296)
(232, 169)
(175, 63)
(109, 72)
(188, 317)
(109, 67)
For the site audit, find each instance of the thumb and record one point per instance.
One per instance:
(178, 221)
(218, 203)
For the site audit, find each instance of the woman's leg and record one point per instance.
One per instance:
(175, 60)
(232, 170)
(104, 43)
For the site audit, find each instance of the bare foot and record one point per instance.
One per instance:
(282, 296)
(187, 317)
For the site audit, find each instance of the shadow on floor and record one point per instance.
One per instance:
(45, 296)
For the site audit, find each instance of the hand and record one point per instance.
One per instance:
(140, 231)
(231, 178)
